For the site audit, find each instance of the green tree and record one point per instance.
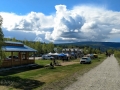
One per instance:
(44, 48)
(1, 39)
(50, 47)
(85, 50)
(59, 49)
(97, 51)
(14, 39)
(89, 50)
(117, 53)
(110, 51)
(38, 47)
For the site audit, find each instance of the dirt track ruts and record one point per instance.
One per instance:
(105, 76)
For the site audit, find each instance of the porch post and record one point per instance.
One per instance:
(26, 55)
(12, 59)
(34, 57)
(20, 58)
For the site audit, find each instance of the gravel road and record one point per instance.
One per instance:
(105, 76)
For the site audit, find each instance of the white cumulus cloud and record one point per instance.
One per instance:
(81, 23)
(115, 31)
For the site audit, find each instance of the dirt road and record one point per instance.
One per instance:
(105, 76)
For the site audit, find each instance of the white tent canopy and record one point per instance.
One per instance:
(50, 53)
(56, 53)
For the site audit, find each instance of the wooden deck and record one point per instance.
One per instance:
(10, 63)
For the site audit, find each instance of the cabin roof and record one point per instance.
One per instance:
(17, 46)
(11, 42)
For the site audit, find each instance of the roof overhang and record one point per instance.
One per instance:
(11, 46)
(18, 49)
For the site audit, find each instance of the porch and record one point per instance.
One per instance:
(19, 55)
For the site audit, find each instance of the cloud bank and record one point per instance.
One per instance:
(81, 23)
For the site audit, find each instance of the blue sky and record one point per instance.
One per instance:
(61, 21)
(47, 7)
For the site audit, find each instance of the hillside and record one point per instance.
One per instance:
(103, 45)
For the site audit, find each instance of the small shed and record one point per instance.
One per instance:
(22, 52)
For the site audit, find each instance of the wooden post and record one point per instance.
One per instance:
(20, 58)
(34, 57)
(12, 59)
(26, 57)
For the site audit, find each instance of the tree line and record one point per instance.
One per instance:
(43, 48)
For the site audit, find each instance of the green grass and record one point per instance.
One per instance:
(42, 62)
(46, 78)
(118, 59)
(117, 56)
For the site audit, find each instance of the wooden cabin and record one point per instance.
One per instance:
(22, 57)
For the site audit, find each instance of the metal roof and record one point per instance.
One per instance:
(11, 42)
(23, 48)
(18, 48)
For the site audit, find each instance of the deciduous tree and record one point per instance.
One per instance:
(1, 39)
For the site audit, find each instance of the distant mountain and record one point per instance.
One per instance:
(103, 45)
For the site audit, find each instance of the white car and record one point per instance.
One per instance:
(48, 57)
(85, 60)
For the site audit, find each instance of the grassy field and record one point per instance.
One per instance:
(46, 78)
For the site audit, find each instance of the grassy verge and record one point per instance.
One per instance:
(118, 59)
(117, 56)
(46, 78)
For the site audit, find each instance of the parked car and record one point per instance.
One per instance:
(85, 60)
(37, 55)
(48, 57)
(90, 55)
(95, 55)
(14, 57)
(10, 57)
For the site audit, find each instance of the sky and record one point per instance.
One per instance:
(61, 21)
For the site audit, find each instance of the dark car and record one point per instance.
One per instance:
(14, 57)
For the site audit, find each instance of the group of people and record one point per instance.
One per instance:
(52, 64)
(108, 54)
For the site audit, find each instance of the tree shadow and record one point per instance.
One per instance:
(18, 70)
(20, 83)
